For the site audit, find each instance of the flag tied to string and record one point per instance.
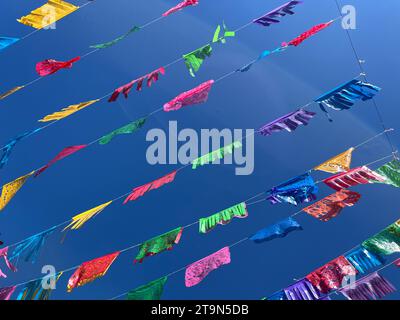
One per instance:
(7, 41)
(50, 66)
(263, 55)
(39, 289)
(10, 92)
(223, 217)
(10, 189)
(180, 6)
(7, 149)
(363, 260)
(159, 244)
(128, 129)
(194, 96)
(356, 176)
(278, 230)
(397, 262)
(289, 122)
(302, 290)
(345, 96)
(6, 293)
(48, 14)
(226, 34)
(91, 270)
(195, 59)
(150, 78)
(140, 191)
(65, 112)
(151, 291)
(10, 266)
(111, 43)
(31, 246)
(216, 154)
(63, 154)
(273, 16)
(331, 275)
(295, 191)
(337, 164)
(297, 41)
(278, 296)
(385, 242)
(391, 172)
(197, 271)
(371, 287)
(332, 205)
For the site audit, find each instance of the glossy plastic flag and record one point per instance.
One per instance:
(297, 41)
(128, 129)
(6, 293)
(10, 92)
(151, 291)
(339, 163)
(273, 16)
(391, 172)
(214, 155)
(180, 6)
(10, 266)
(277, 230)
(39, 289)
(10, 189)
(47, 14)
(159, 244)
(91, 270)
(386, 242)
(50, 66)
(302, 290)
(7, 41)
(363, 260)
(65, 112)
(111, 43)
(226, 34)
(195, 59)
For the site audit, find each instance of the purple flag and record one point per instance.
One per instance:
(272, 17)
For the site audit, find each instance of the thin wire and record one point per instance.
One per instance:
(364, 74)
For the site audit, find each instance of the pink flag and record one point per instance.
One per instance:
(5, 293)
(51, 66)
(297, 41)
(140, 191)
(197, 271)
(64, 153)
(353, 177)
(397, 262)
(194, 96)
(4, 254)
(180, 6)
(126, 88)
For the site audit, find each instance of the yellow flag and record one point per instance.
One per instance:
(10, 92)
(79, 220)
(47, 14)
(67, 111)
(340, 163)
(10, 189)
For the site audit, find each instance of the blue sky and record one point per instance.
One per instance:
(272, 88)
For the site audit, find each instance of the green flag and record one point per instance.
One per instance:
(391, 171)
(129, 128)
(385, 242)
(111, 43)
(150, 291)
(195, 59)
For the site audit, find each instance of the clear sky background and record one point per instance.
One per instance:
(274, 87)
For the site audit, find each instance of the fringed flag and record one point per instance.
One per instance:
(10, 266)
(128, 129)
(385, 242)
(6, 293)
(10, 92)
(345, 96)
(151, 291)
(65, 112)
(356, 176)
(339, 163)
(223, 217)
(273, 16)
(39, 289)
(226, 34)
(302, 290)
(7, 149)
(159, 244)
(371, 287)
(289, 122)
(111, 43)
(295, 191)
(278, 296)
(91, 270)
(140, 191)
(10, 189)
(197, 271)
(214, 155)
(31, 246)
(50, 66)
(6, 42)
(180, 6)
(195, 59)
(79, 220)
(194, 96)
(297, 41)
(63, 154)
(278, 230)
(391, 172)
(150, 78)
(331, 275)
(332, 205)
(263, 55)
(363, 260)
(48, 14)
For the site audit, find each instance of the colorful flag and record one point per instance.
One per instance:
(10, 189)
(339, 163)
(39, 289)
(226, 34)
(180, 6)
(111, 43)
(363, 260)
(50, 66)
(65, 112)
(10, 92)
(302, 290)
(7, 41)
(129, 128)
(277, 230)
(385, 242)
(391, 172)
(195, 59)
(6, 293)
(10, 266)
(273, 16)
(297, 41)
(151, 291)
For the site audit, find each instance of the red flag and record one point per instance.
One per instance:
(297, 41)
(50, 66)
